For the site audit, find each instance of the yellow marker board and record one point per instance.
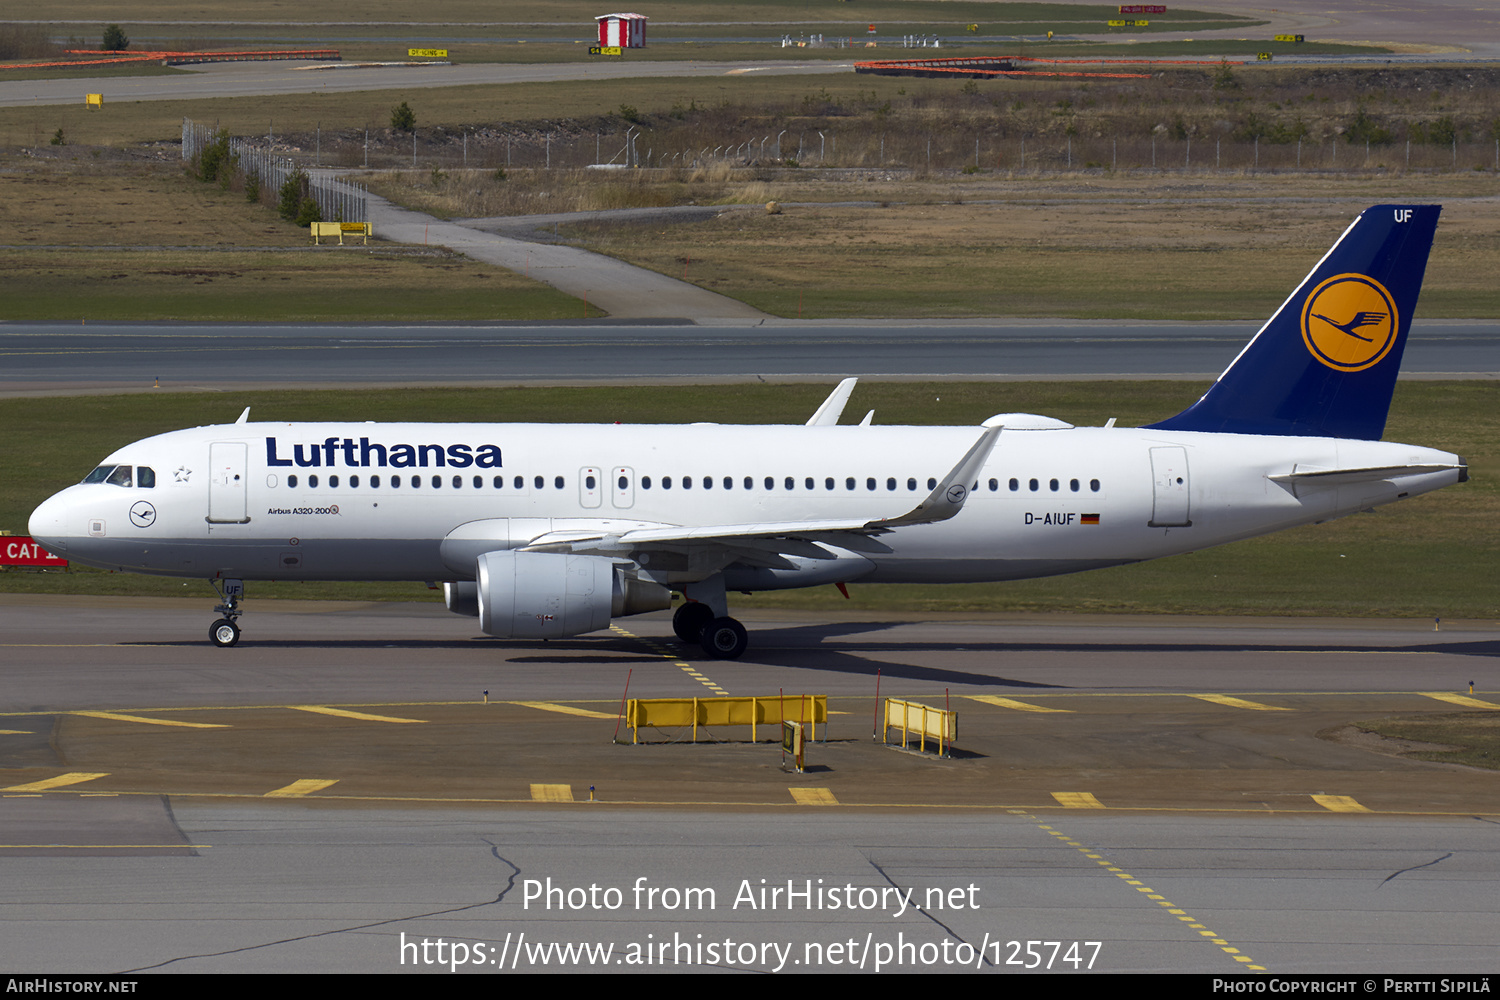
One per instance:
(94, 100)
(427, 53)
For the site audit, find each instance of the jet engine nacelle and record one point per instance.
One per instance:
(462, 597)
(549, 595)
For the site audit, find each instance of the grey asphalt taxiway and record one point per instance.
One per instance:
(1154, 794)
(50, 357)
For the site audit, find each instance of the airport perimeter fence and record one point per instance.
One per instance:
(338, 200)
(981, 149)
(898, 149)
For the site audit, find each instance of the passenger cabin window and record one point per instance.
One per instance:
(291, 482)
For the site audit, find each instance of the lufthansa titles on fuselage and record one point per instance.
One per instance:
(364, 453)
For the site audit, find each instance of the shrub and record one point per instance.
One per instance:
(293, 191)
(403, 118)
(215, 162)
(308, 212)
(114, 39)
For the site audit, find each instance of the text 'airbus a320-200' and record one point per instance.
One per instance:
(551, 530)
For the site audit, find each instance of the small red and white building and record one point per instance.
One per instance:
(625, 31)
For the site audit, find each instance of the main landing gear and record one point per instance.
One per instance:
(700, 621)
(225, 632)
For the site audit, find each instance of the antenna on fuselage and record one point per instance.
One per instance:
(244, 417)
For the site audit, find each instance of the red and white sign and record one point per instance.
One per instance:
(23, 550)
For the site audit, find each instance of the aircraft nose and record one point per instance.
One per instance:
(50, 523)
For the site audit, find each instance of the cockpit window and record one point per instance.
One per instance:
(99, 474)
(145, 477)
(120, 477)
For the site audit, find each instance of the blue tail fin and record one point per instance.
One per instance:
(1325, 364)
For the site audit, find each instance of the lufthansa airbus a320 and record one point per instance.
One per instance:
(551, 530)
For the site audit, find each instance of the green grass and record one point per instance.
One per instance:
(1475, 734)
(324, 285)
(1431, 556)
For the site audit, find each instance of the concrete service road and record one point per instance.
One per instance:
(265, 79)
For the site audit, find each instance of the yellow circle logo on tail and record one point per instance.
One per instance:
(1349, 322)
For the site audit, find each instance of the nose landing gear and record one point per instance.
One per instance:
(226, 632)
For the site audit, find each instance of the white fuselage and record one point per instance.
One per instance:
(351, 501)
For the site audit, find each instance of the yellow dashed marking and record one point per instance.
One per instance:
(1150, 893)
(16, 732)
(813, 797)
(344, 713)
(71, 778)
(1458, 699)
(671, 655)
(1019, 706)
(1339, 803)
(1077, 800)
(1228, 702)
(116, 716)
(305, 786)
(552, 793)
(547, 706)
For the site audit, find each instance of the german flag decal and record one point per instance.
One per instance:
(1088, 519)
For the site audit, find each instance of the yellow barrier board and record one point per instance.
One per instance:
(427, 53)
(605, 50)
(94, 100)
(663, 713)
(332, 229)
(921, 721)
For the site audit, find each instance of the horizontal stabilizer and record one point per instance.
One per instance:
(1315, 478)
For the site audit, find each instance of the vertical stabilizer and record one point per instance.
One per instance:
(1325, 364)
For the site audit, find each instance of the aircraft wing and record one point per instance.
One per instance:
(792, 537)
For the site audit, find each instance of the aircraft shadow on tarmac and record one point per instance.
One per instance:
(817, 648)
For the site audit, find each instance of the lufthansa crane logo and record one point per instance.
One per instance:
(1349, 322)
(142, 514)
